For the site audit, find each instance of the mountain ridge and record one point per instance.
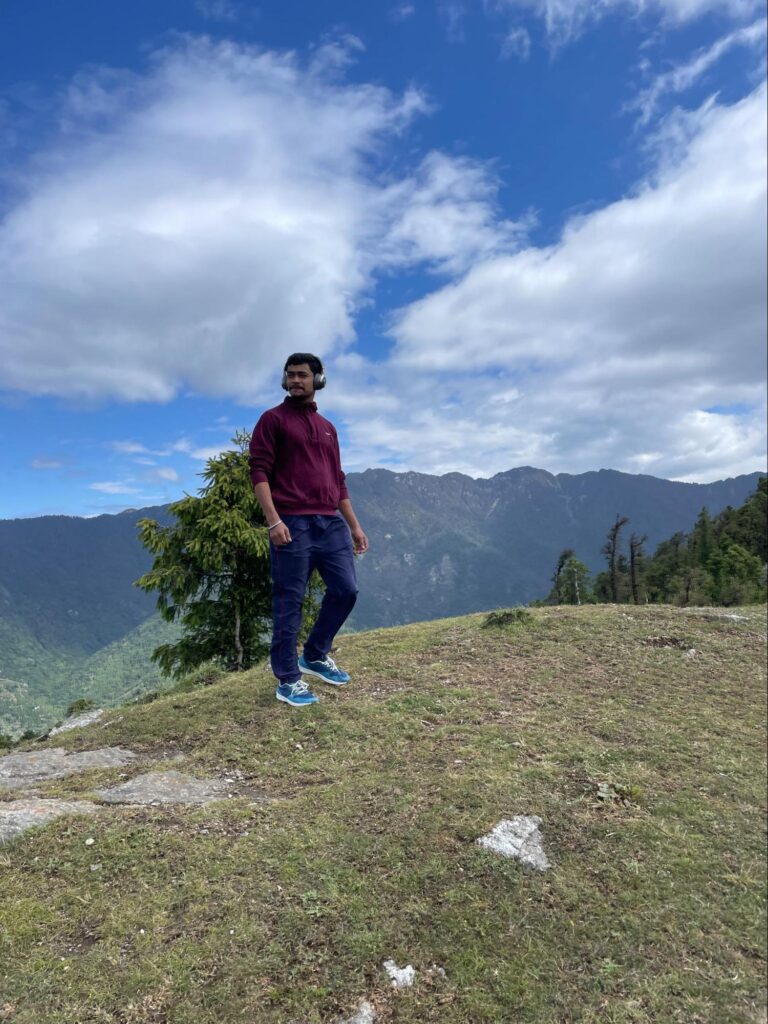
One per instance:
(440, 546)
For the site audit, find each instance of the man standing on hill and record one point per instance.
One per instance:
(298, 481)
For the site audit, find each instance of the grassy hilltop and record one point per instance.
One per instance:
(644, 761)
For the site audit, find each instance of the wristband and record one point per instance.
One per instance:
(270, 528)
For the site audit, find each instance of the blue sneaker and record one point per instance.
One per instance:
(325, 669)
(297, 694)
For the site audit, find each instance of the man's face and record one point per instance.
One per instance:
(300, 381)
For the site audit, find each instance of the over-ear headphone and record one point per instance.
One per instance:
(318, 381)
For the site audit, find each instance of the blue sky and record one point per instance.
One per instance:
(519, 232)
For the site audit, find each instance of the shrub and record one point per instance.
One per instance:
(507, 617)
(79, 707)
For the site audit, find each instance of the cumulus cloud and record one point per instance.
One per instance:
(444, 216)
(189, 221)
(610, 347)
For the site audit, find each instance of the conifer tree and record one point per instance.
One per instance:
(211, 570)
(702, 539)
(555, 596)
(574, 582)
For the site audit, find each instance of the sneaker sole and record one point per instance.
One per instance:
(333, 682)
(293, 704)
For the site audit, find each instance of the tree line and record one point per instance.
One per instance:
(722, 561)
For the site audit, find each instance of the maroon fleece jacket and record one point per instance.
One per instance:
(296, 451)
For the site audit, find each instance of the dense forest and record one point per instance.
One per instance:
(721, 561)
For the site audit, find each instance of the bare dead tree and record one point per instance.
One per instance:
(635, 557)
(611, 551)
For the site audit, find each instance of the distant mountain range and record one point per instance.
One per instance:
(439, 546)
(450, 545)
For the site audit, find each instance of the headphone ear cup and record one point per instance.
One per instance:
(284, 383)
(319, 381)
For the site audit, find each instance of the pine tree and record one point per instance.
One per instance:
(748, 525)
(555, 596)
(211, 570)
(574, 582)
(701, 541)
(735, 574)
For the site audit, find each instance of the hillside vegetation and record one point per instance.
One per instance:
(636, 734)
(56, 678)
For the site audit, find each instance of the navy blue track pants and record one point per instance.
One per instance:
(317, 542)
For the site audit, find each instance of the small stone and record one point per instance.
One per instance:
(520, 838)
(90, 842)
(95, 867)
(365, 1014)
(402, 977)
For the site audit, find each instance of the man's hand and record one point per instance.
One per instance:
(359, 541)
(280, 535)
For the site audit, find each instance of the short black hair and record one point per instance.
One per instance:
(304, 357)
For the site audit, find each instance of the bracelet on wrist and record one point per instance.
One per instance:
(270, 528)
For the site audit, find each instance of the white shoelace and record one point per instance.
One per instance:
(299, 687)
(330, 663)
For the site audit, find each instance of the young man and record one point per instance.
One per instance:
(298, 481)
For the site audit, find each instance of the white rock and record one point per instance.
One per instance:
(365, 1014)
(78, 721)
(519, 838)
(402, 977)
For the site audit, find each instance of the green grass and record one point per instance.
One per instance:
(646, 766)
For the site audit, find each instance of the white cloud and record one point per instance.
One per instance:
(46, 463)
(444, 216)
(516, 43)
(683, 76)
(401, 12)
(209, 452)
(164, 474)
(217, 10)
(565, 20)
(605, 349)
(129, 448)
(195, 220)
(113, 487)
(452, 13)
